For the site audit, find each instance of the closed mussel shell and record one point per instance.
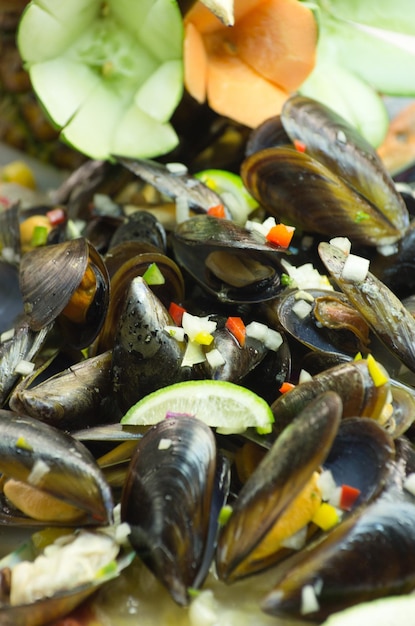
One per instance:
(331, 140)
(298, 189)
(167, 500)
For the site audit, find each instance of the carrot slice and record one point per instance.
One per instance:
(236, 91)
(195, 63)
(281, 235)
(236, 326)
(278, 40)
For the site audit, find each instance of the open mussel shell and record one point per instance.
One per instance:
(369, 555)
(173, 184)
(52, 607)
(227, 260)
(383, 311)
(331, 140)
(170, 502)
(53, 462)
(24, 345)
(361, 456)
(172, 290)
(333, 325)
(298, 189)
(279, 477)
(67, 280)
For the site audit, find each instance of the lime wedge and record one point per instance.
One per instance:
(220, 404)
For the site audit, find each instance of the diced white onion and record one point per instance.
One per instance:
(304, 376)
(309, 602)
(409, 483)
(303, 295)
(297, 540)
(343, 243)
(273, 339)
(327, 485)
(182, 209)
(257, 330)
(302, 308)
(177, 168)
(355, 268)
(193, 354)
(8, 334)
(164, 444)
(215, 358)
(24, 367)
(38, 471)
(193, 325)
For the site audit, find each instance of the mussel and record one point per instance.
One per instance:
(45, 460)
(338, 175)
(369, 555)
(68, 281)
(176, 485)
(227, 260)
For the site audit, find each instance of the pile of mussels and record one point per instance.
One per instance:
(94, 331)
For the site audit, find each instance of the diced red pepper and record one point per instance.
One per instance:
(280, 235)
(299, 145)
(286, 386)
(348, 497)
(236, 326)
(176, 311)
(217, 211)
(56, 216)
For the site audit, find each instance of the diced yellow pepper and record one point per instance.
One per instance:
(22, 443)
(326, 516)
(376, 371)
(204, 338)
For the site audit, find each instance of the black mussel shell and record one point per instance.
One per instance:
(370, 555)
(168, 501)
(198, 240)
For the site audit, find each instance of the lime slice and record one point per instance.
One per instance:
(219, 404)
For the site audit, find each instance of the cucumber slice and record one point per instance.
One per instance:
(91, 129)
(160, 94)
(61, 104)
(103, 66)
(42, 36)
(138, 133)
(350, 97)
(162, 30)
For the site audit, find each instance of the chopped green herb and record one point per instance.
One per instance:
(361, 216)
(39, 236)
(224, 514)
(153, 276)
(286, 280)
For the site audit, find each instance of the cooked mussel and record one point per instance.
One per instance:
(32, 596)
(332, 326)
(284, 473)
(171, 501)
(338, 175)
(227, 260)
(68, 281)
(351, 380)
(369, 555)
(47, 460)
(383, 311)
(72, 398)
(145, 357)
